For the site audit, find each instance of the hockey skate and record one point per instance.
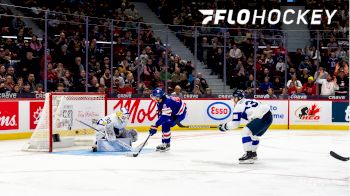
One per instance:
(163, 147)
(94, 149)
(247, 158)
(254, 156)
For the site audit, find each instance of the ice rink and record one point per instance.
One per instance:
(291, 163)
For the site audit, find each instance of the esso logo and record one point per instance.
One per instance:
(219, 111)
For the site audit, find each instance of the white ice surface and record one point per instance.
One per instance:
(291, 163)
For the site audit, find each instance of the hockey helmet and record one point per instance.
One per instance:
(123, 114)
(157, 93)
(239, 94)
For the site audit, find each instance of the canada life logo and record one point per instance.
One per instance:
(309, 113)
(219, 110)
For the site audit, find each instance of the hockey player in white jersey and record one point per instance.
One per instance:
(111, 128)
(259, 119)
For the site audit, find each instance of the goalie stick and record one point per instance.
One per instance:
(120, 143)
(335, 155)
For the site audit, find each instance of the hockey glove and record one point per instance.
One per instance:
(153, 130)
(223, 127)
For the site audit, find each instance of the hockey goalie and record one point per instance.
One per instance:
(112, 135)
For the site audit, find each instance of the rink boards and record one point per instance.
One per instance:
(18, 117)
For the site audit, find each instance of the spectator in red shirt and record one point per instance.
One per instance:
(310, 87)
(292, 88)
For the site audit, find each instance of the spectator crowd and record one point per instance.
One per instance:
(139, 57)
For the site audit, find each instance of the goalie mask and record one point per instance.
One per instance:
(123, 114)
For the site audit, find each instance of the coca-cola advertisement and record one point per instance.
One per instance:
(35, 109)
(9, 116)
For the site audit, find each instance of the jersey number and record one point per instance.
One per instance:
(250, 104)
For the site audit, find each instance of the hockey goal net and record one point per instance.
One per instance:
(59, 126)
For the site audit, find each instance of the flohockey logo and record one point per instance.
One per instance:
(274, 16)
(308, 113)
(219, 111)
(347, 114)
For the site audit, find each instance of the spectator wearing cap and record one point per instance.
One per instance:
(270, 94)
(203, 81)
(309, 87)
(328, 86)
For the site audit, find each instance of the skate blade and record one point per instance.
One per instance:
(159, 150)
(250, 161)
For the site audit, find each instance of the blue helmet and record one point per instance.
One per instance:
(157, 93)
(238, 93)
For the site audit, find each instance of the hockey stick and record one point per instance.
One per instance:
(127, 147)
(335, 155)
(196, 126)
(143, 145)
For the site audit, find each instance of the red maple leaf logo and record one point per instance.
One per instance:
(314, 110)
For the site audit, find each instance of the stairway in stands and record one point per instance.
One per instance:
(298, 35)
(177, 47)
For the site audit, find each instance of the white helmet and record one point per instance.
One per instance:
(123, 114)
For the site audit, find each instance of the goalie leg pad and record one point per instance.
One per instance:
(113, 146)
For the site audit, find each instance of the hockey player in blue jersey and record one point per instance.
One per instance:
(170, 111)
(259, 119)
